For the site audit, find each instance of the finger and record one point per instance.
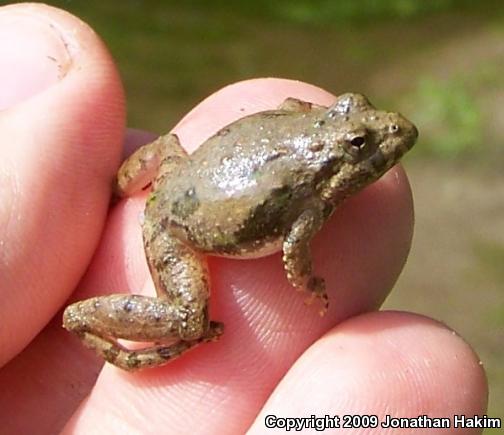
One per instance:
(55, 366)
(386, 363)
(41, 370)
(61, 144)
(360, 252)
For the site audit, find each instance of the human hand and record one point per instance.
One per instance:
(276, 356)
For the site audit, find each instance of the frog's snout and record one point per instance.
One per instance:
(399, 136)
(412, 135)
(410, 131)
(402, 135)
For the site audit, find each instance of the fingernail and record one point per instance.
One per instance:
(33, 55)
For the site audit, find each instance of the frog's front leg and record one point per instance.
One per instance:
(175, 321)
(142, 167)
(297, 256)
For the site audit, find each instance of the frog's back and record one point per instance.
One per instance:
(239, 186)
(252, 154)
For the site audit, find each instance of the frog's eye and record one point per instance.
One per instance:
(358, 141)
(355, 145)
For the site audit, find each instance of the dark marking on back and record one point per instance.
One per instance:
(268, 217)
(186, 205)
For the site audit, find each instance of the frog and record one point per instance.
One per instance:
(264, 183)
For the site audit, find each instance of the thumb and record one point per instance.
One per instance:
(61, 127)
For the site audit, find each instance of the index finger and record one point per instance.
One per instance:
(360, 252)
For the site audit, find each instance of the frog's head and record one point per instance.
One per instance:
(371, 141)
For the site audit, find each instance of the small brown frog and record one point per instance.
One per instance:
(264, 183)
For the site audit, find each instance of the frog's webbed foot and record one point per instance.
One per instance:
(99, 321)
(297, 257)
(295, 105)
(127, 359)
(143, 166)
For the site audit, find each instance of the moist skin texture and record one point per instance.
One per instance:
(264, 183)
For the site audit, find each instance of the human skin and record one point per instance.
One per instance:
(276, 357)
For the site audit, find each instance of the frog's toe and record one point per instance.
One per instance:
(316, 287)
(214, 332)
(324, 299)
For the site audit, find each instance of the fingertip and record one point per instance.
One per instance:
(43, 46)
(33, 55)
(372, 233)
(384, 363)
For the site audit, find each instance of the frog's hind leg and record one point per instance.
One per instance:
(113, 352)
(178, 315)
(297, 256)
(143, 166)
(100, 321)
(295, 105)
(180, 276)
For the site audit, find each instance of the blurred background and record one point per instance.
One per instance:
(439, 62)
